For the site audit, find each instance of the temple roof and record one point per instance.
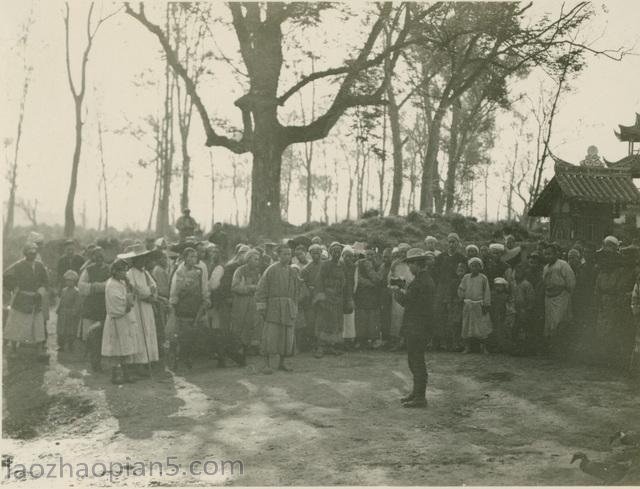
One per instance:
(597, 185)
(629, 163)
(629, 133)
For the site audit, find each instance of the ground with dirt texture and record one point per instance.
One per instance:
(337, 420)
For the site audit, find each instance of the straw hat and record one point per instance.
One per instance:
(415, 254)
(136, 250)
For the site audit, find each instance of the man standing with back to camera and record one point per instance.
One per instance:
(418, 302)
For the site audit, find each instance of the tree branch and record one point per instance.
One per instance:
(213, 139)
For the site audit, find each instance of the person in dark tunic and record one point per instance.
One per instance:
(92, 287)
(186, 225)
(614, 284)
(385, 298)
(27, 280)
(367, 304)
(70, 260)
(309, 275)
(329, 300)
(446, 267)
(534, 268)
(219, 238)
(418, 302)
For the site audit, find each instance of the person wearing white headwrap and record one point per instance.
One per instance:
(245, 320)
(612, 242)
(330, 298)
(27, 279)
(430, 243)
(472, 251)
(475, 293)
(348, 317)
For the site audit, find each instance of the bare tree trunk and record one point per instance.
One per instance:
(486, 195)
(430, 179)
(167, 151)
(337, 189)
(103, 179)
(213, 190)
(13, 167)
(383, 161)
(234, 190)
(78, 98)
(453, 160)
(396, 138)
(512, 177)
(156, 185)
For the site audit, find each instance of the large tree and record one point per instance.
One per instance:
(259, 28)
(471, 41)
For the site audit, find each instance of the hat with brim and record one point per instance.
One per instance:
(415, 255)
(137, 250)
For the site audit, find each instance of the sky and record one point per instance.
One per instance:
(604, 95)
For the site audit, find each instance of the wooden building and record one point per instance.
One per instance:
(631, 162)
(582, 202)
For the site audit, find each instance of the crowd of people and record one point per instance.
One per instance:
(159, 301)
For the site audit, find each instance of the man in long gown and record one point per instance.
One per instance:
(559, 282)
(91, 286)
(277, 301)
(309, 275)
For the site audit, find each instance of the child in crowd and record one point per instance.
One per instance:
(500, 314)
(475, 293)
(525, 302)
(69, 311)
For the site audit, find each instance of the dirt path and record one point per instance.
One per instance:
(491, 420)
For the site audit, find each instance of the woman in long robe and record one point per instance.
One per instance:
(277, 302)
(244, 315)
(27, 280)
(118, 341)
(144, 290)
(329, 299)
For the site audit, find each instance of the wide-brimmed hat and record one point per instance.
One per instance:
(415, 254)
(136, 250)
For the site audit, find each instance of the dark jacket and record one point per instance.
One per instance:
(418, 303)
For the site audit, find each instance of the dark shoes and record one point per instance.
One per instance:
(415, 403)
(407, 398)
(117, 376)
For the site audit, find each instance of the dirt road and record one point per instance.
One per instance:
(337, 420)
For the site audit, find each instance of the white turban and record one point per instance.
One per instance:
(500, 281)
(472, 247)
(496, 247)
(475, 259)
(430, 239)
(613, 240)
